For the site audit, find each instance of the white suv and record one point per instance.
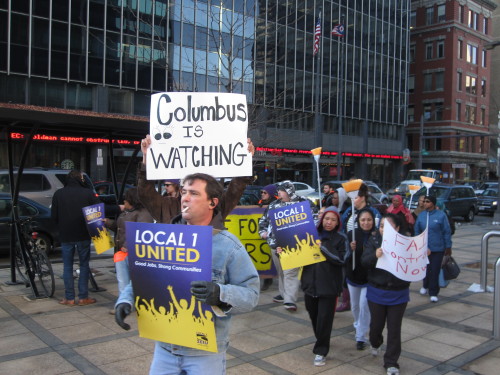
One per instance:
(38, 184)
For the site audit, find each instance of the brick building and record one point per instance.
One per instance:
(449, 87)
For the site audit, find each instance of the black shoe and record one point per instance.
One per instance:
(278, 299)
(360, 345)
(266, 284)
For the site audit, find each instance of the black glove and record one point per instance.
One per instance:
(206, 291)
(122, 310)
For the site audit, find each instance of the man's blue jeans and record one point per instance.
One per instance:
(68, 254)
(166, 363)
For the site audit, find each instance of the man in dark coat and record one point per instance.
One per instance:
(67, 204)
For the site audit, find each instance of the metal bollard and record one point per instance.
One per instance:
(484, 257)
(496, 302)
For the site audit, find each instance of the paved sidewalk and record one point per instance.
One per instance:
(450, 337)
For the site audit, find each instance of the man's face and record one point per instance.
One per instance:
(283, 195)
(428, 205)
(169, 187)
(195, 199)
(326, 189)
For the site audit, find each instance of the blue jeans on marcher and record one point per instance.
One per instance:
(122, 274)
(68, 254)
(431, 280)
(166, 363)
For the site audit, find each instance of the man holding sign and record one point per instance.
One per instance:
(234, 284)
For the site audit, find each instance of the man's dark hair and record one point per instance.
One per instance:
(329, 185)
(213, 188)
(132, 197)
(75, 175)
(363, 191)
(394, 218)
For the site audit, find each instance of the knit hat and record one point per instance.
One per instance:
(335, 210)
(288, 187)
(270, 189)
(175, 181)
(431, 198)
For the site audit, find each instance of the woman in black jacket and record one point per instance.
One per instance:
(387, 298)
(322, 282)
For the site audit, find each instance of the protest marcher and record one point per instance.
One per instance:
(322, 282)
(398, 208)
(438, 241)
(357, 278)
(268, 195)
(348, 222)
(327, 200)
(288, 280)
(172, 188)
(344, 201)
(234, 285)
(420, 207)
(387, 297)
(133, 211)
(67, 204)
(165, 208)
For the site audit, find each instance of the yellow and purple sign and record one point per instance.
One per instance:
(101, 238)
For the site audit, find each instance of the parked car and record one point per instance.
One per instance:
(460, 200)
(250, 196)
(107, 187)
(486, 185)
(401, 188)
(372, 201)
(39, 184)
(301, 188)
(487, 201)
(48, 234)
(373, 189)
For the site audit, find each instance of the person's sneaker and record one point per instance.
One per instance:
(375, 351)
(434, 299)
(266, 283)
(423, 291)
(319, 360)
(290, 306)
(278, 299)
(360, 345)
(392, 371)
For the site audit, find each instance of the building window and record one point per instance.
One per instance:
(472, 21)
(459, 112)
(412, 54)
(461, 12)
(429, 16)
(440, 50)
(485, 25)
(459, 81)
(427, 112)
(439, 76)
(427, 81)
(438, 111)
(411, 114)
(471, 54)
(428, 51)
(470, 85)
(413, 19)
(460, 48)
(470, 114)
(483, 116)
(483, 88)
(441, 13)
(483, 59)
(411, 84)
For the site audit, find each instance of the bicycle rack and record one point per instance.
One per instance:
(484, 258)
(496, 303)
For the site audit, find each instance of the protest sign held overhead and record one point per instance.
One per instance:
(163, 260)
(198, 132)
(404, 257)
(101, 238)
(296, 234)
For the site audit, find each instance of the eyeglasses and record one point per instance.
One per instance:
(167, 184)
(264, 192)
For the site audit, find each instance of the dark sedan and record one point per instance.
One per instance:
(48, 235)
(487, 201)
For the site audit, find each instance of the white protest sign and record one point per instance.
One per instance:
(404, 257)
(198, 132)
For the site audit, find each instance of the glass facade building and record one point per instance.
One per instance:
(110, 55)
